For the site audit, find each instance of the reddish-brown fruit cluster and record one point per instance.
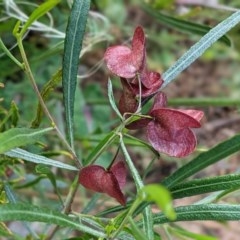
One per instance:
(168, 130)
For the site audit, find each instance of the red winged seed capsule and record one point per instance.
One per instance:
(130, 64)
(111, 181)
(126, 62)
(169, 130)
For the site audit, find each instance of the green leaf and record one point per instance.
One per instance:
(12, 198)
(183, 25)
(112, 100)
(200, 186)
(217, 196)
(34, 158)
(148, 220)
(31, 213)
(215, 212)
(37, 13)
(203, 160)
(17, 137)
(162, 197)
(191, 235)
(97, 151)
(72, 48)
(81, 127)
(200, 47)
(116, 209)
(47, 89)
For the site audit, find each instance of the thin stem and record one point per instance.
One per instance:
(70, 197)
(139, 108)
(135, 174)
(114, 158)
(9, 54)
(147, 213)
(29, 74)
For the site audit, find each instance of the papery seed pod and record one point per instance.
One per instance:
(111, 181)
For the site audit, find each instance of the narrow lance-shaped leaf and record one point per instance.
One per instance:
(12, 198)
(72, 48)
(205, 185)
(188, 234)
(17, 137)
(200, 47)
(114, 209)
(81, 124)
(183, 25)
(38, 159)
(31, 213)
(203, 160)
(204, 212)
